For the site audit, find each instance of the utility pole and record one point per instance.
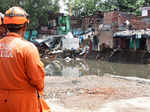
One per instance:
(70, 9)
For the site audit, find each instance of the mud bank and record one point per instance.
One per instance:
(97, 94)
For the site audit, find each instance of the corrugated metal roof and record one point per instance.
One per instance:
(133, 33)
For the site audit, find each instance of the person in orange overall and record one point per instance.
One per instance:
(21, 71)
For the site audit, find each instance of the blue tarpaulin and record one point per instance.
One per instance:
(30, 35)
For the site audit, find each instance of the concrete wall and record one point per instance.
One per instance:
(107, 38)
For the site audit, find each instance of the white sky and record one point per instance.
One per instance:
(63, 7)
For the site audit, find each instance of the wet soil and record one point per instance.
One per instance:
(93, 93)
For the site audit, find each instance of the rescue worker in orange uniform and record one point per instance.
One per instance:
(21, 71)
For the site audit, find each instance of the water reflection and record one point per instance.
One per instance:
(76, 68)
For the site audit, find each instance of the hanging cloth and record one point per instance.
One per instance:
(131, 43)
(137, 43)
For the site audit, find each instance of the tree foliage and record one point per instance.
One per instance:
(37, 9)
(86, 7)
(132, 6)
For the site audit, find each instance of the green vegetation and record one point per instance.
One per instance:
(87, 7)
(39, 9)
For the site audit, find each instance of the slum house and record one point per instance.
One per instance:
(79, 27)
(107, 28)
(75, 23)
(136, 32)
(51, 27)
(90, 29)
(115, 22)
(93, 21)
(58, 23)
(87, 23)
(45, 29)
(127, 33)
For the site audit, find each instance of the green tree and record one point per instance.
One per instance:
(5, 4)
(87, 7)
(37, 9)
(84, 7)
(147, 3)
(125, 5)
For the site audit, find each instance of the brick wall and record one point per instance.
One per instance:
(119, 18)
(107, 38)
(108, 18)
(138, 24)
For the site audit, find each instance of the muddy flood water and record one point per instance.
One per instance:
(96, 86)
(81, 67)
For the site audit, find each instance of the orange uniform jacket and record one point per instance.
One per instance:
(21, 75)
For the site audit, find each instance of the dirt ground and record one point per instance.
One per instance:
(97, 94)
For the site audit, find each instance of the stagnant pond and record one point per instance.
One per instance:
(80, 67)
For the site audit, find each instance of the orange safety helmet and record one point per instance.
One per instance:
(16, 15)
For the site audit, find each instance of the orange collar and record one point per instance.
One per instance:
(11, 34)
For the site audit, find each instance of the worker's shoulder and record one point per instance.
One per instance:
(25, 44)
(29, 44)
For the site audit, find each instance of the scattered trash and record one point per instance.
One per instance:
(67, 59)
(66, 68)
(96, 91)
